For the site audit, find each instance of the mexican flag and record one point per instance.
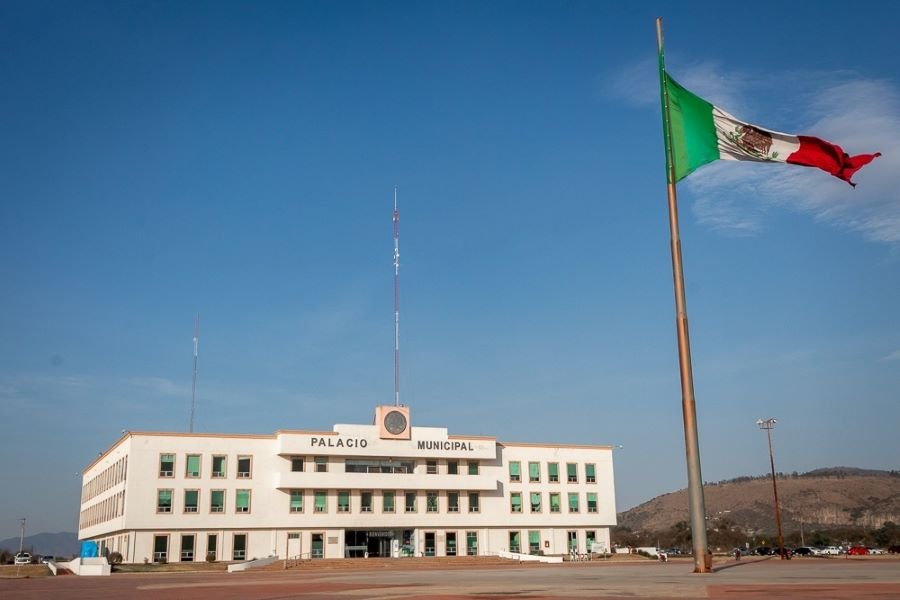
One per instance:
(701, 133)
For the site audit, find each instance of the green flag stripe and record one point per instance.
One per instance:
(693, 131)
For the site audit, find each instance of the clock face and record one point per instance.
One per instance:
(395, 422)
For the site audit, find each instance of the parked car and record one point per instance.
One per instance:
(804, 551)
(22, 558)
(46, 559)
(895, 549)
(764, 551)
(831, 551)
(857, 551)
(876, 550)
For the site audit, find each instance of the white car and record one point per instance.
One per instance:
(876, 550)
(22, 558)
(831, 551)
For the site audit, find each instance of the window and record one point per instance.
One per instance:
(239, 547)
(535, 502)
(160, 548)
(515, 471)
(410, 502)
(573, 541)
(242, 501)
(193, 466)
(191, 501)
(534, 542)
(473, 467)
(590, 473)
(453, 502)
(388, 501)
(217, 501)
(590, 538)
(431, 467)
(431, 502)
(573, 503)
(473, 502)
(163, 501)
(296, 464)
(320, 501)
(514, 545)
(296, 501)
(365, 501)
(572, 472)
(554, 503)
(243, 471)
(592, 502)
(212, 544)
(187, 547)
(451, 543)
(553, 472)
(452, 467)
(515, 503)
(321, 464)
(343, 500)
(534, 472)
(167, 465)
(471, 543)
(352, 465)
(218, 466)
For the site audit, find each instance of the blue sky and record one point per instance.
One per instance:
(160, 159)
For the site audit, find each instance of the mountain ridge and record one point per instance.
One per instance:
(825, 498)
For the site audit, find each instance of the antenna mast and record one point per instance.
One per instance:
(396, 301)
(194, 381)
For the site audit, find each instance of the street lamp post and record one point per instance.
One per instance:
(769, 425)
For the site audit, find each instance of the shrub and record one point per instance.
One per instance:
(114, 558)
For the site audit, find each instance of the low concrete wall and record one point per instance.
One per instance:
(529, 557)
(250, 564)
(88, 566)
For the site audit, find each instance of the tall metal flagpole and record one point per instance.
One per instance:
(396, 301)
(702, 562)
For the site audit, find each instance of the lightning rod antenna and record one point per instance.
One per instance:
(194, 380)
(396, 301)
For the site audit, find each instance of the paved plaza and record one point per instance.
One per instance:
(750, 578)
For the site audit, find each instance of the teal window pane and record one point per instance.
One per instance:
(554, 503)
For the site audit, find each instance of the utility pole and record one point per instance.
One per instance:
(769, 425)
(22, 536)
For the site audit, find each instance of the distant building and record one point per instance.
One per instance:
(387, 489)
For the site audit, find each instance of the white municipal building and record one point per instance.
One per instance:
(388, 489)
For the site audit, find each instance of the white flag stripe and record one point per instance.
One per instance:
(738, 140)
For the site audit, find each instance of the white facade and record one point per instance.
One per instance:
(179, 496)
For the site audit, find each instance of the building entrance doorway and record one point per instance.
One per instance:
(368, 542)
(293, 544)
